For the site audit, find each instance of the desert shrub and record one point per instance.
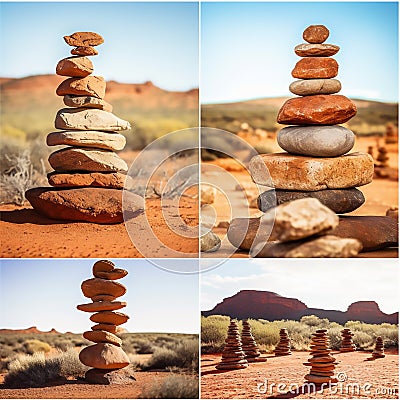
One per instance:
(143, 346)
(314, 321)
(335, 337)
(184, 355)
(36, 346)
(213, 329)
(37, 370)
(173, 387)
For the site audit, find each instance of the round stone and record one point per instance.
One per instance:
(104, 356)
(74, 67)
(316, 34)
(309, 87)
(96, 286)
(316, 50)
(316, 141)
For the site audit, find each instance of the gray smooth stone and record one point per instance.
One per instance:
(339, 201)
(309, 87)
(316, 141)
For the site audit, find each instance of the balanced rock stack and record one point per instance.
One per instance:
(347, 344)
(283, 348)
(316, 164)
(379, 349)
(249, 345)
(321, 362)
(106, 357)
(233, 356)
(89, 175)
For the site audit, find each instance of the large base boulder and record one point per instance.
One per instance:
(97, 205)
(115, 377)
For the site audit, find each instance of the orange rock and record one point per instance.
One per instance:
(74, 66)
(104, 356)
(105, 327)
(95, 286)
(101, 306)
(84, 39)
(89, 86)
(315, 68)
(317, 110)
(316, 34)
(84, 51)
(316, 50)
(109, 317)
(102, 337)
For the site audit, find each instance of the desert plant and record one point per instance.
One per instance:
(37, 370)
(173, 387)
(35, 346)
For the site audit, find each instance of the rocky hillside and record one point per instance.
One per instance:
(271, 306)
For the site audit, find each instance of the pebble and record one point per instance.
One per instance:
(309, 87)
(316, 34)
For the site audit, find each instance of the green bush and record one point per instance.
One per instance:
(173, 387)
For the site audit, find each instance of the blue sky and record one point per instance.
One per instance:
(143, 41)
(45, 293)
(331, 284)
(247, 49)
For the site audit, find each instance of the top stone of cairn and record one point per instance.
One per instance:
(316, 34)
(86, 39)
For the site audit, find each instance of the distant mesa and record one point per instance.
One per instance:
(31, 330)
(259, 304)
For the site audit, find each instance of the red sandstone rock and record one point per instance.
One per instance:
(84, 51)
(89, 86)
(84, 39)
(317, 110)
(74, 66)
(316, 34)
(315, 68)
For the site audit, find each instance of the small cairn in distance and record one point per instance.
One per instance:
(249, 345)
(283, 348)
(233, 356)
(378, 351)
(347, 344)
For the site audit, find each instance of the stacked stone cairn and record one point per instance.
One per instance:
(315, 176)
(89, 176)
(109, 362)
(347, 344)
(283, 348)
(379, 351)
(249, 345)
(233, 356)
(321, 362)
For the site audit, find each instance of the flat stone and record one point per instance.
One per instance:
(319, 379)
(90, 160)
(316, 34)
(97, 205)
(316, 141)
(105, 327)
(109, 317)
(84, 39)
(114, 180)
(299, 219)
(243, 231)
(291, 172)
(103, 297)
(102, 337)
(115, 274)
(74, 66)
(316, 50)
(315, 67)
(96, 139)
(317, 110)
(104, 356)
(374, 232)
(87, 101)
(310, 87)
(84, 51)
(95, 286)
(325, 246)
(89, 86)
(209, 241)
(122, 376)
(339, 201)
(101, 306)
(90, 119)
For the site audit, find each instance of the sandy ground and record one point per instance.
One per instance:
(380, 195)
(75, 389)
(24, 233)
(289, 371)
